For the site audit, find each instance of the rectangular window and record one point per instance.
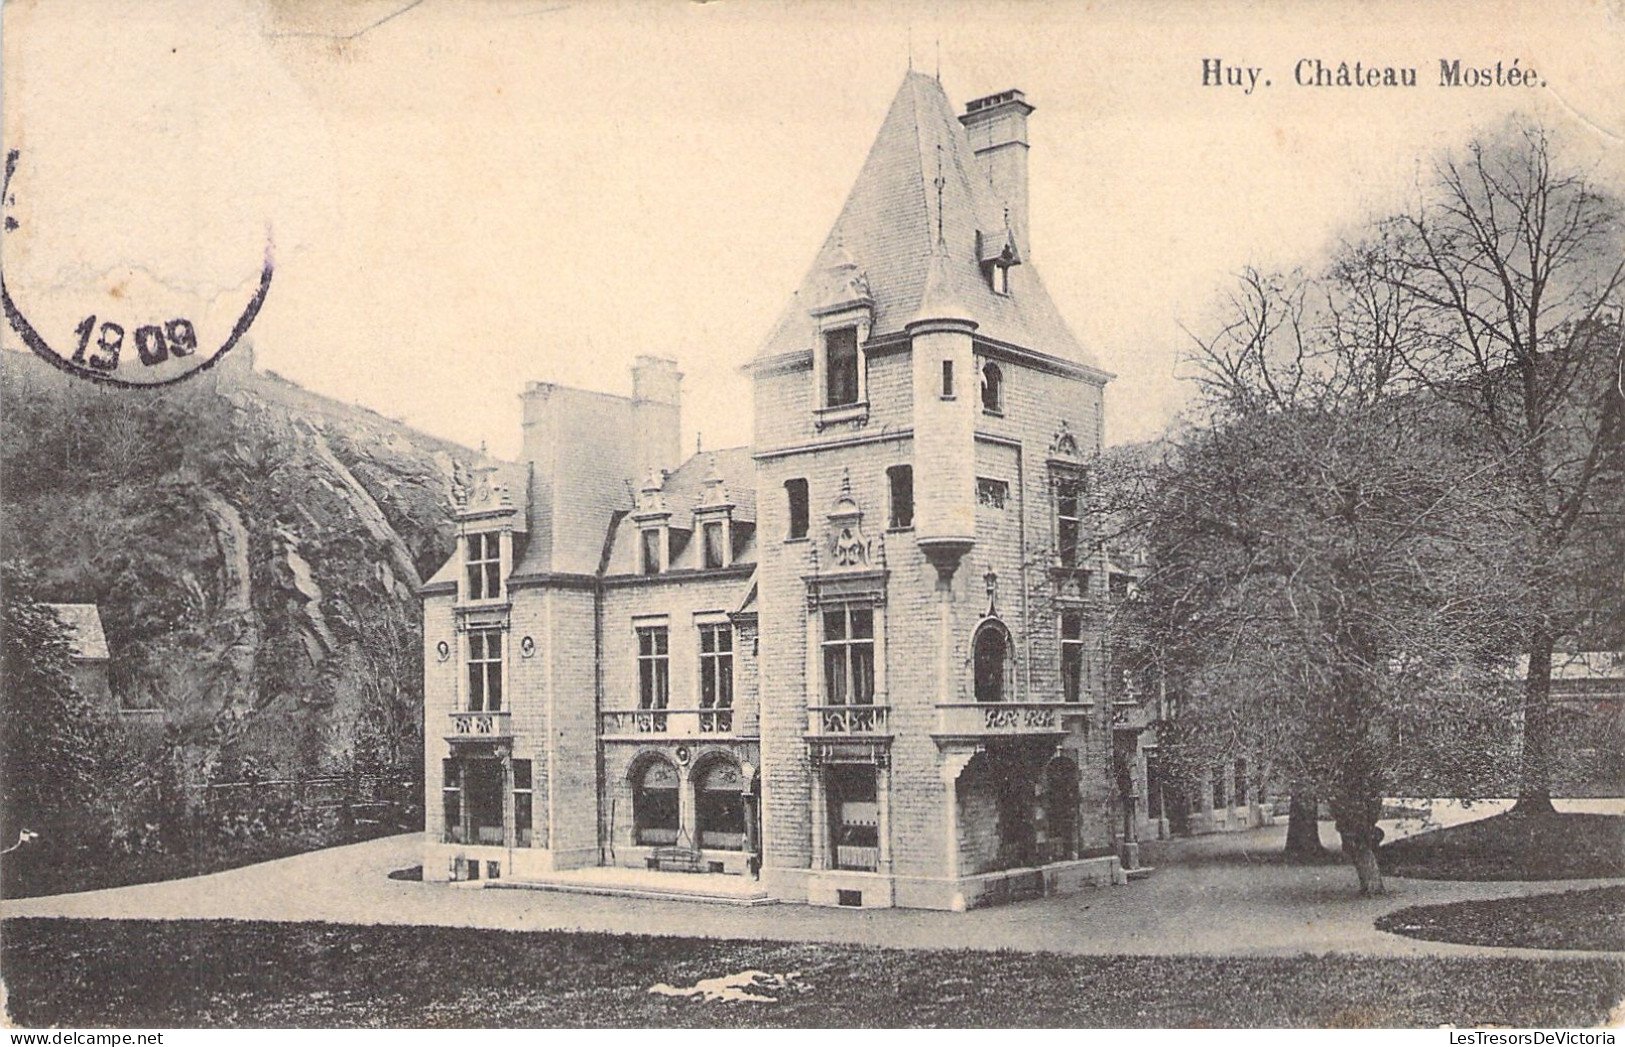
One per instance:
(1072, 657)
(1241, 783)
(900, 478)
(1069, 522)
(451, 800)
(485, 670)
(484, 566)
(841, 367)
(994, 494)
(521, 803)
(795, 494)
(947, 379)
(716, 667)
(651, 551)
(849, 656)
(715, 552)
(654, 670)
(1218, 786)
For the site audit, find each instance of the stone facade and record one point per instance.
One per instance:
(862, 659)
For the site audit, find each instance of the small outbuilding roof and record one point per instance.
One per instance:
(84, 622)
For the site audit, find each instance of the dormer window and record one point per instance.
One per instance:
(999, 274)
(992, 388)
(713, 520)
(653, 550)
(841, 367)
(484, 564)
(714, 544)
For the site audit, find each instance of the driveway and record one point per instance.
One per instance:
(1214, 895)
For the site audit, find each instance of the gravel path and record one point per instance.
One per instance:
(1215, 895)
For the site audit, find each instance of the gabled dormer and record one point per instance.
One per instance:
(485, 516)
(998, 253)
(713, 520)
(842, 311)
(653, 519)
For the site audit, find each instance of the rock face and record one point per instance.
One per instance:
(255, 551)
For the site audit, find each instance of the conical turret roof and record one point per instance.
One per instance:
(914, 226)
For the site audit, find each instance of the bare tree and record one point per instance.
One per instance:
(1508, 274)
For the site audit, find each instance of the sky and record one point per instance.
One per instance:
(461, 198)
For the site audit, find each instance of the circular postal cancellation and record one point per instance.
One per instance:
(144, 175)
(126, 322)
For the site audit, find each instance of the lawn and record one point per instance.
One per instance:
(86, 974)
(1514, 846)
(1592, 919)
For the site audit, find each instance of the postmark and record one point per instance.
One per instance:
(137, 332)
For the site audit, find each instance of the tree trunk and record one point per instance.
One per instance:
(1357, 808)
(1535, 780)
(1362, 851)
(1357, 825)
(1303, 825)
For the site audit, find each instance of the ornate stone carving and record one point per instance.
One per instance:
(1064, 444)
(849, 548)
(485, 492)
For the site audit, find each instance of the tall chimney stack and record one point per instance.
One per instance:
(656, 407)
(997, 128)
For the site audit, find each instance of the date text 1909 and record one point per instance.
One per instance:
(153, 344)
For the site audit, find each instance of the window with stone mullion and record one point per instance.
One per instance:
(849, 656)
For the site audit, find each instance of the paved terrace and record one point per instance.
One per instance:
(1213, 895)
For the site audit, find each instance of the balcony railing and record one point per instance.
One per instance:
(847, 719)
(480, 726)
(1005, 718)
(857, 859)
(638, 723)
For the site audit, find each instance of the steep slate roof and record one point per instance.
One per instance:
(85, 625)
(681, 494)
(685, 485)
(888, 227)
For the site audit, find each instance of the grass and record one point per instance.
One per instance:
(127, 973)
(1592, 919)
(1514, 846)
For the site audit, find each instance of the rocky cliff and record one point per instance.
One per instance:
(254, 549)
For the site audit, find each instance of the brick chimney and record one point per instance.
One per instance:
(997, 128)
(657, 414)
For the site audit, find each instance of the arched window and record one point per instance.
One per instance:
(992, 388)
(992, 659)
(719, 806)
(654, 804)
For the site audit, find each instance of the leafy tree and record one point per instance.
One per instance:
(49, 733)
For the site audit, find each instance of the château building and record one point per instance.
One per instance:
(859, 662)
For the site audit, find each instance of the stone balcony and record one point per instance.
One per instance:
(480, 727)
(849, 720)
(673, 723)
(1004, 719)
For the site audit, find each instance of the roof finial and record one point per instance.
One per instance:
(699, 441)
(939, 57)
(939, 182)
(911, 47)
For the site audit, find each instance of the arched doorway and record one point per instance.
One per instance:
(654, 803)
(991, 655)
(719, 805)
